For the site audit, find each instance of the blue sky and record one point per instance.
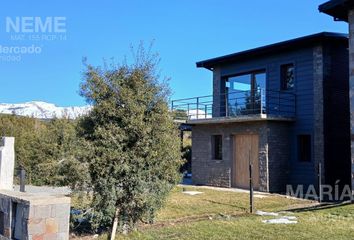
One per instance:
(184, 31)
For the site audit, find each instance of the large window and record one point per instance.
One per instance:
(216, 142)
(304, 148)
(287, 76)
(244, 93)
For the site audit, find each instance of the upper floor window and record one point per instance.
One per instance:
(216, 141)
(244, 93)
(287, 76)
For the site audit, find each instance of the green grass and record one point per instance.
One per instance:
(224, 215)
(181, 206)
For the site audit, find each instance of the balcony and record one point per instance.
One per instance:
(236, 106)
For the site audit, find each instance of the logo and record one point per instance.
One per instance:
(36, 25)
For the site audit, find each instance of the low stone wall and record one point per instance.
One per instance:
(33, 216)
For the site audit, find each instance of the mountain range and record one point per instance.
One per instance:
(43, 110)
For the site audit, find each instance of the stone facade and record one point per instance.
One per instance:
(273, 153)
(318, 135)
(278, 155)
(33, 216)
(351, 85)
(217, 92)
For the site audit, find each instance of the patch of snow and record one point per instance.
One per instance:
(261, 213)
(192, 193)
(43, 110)
(281, 220)
(260, 196)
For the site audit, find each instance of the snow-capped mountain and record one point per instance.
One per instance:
(43, 110)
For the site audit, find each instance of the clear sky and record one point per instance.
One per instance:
(184, 31)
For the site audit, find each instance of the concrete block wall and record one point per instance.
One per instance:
(34, 216)
(273, 154)
(49, 221)
(279, 155)
(205, 170)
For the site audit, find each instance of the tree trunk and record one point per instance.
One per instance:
(115, 224)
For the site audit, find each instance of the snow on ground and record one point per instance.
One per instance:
(259, 196)
(261, 213)
(279, 219)
(192, 193)
(282, 220)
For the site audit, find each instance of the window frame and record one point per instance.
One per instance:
(283, 83)
(217, 155)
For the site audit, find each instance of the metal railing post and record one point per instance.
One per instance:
(188, 115)
(197, 107)
(261, 105)
(278, 103)
(320, 182)
(226, 106)
(206, 110)
(251, 182)
(22, 180)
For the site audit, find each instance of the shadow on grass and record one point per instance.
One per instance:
(224, 204)
(322, 206)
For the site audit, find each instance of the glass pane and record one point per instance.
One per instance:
(238, 93)
(260, 90)
(260, 82)
(287, 76)
(240, 83)
(244, 94)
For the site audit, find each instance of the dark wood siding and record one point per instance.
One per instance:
(337, 115)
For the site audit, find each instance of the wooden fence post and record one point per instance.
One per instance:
(251, 182)
(115, 224)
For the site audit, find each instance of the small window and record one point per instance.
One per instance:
(216, 142)
(287, 76)
(304, 148)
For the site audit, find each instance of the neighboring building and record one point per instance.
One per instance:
(343, 10)
(284, 107)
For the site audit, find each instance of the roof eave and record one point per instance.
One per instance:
(285, 45)
(338, 9)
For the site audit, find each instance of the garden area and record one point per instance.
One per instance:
(224, 214)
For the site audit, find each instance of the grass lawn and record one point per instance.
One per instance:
(224, 215)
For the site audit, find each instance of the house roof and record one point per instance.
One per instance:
(337, 8)
(274, 48)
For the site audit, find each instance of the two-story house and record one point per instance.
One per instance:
(284, 108)
(343, 10)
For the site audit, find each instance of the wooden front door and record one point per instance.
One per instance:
(245, 150)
